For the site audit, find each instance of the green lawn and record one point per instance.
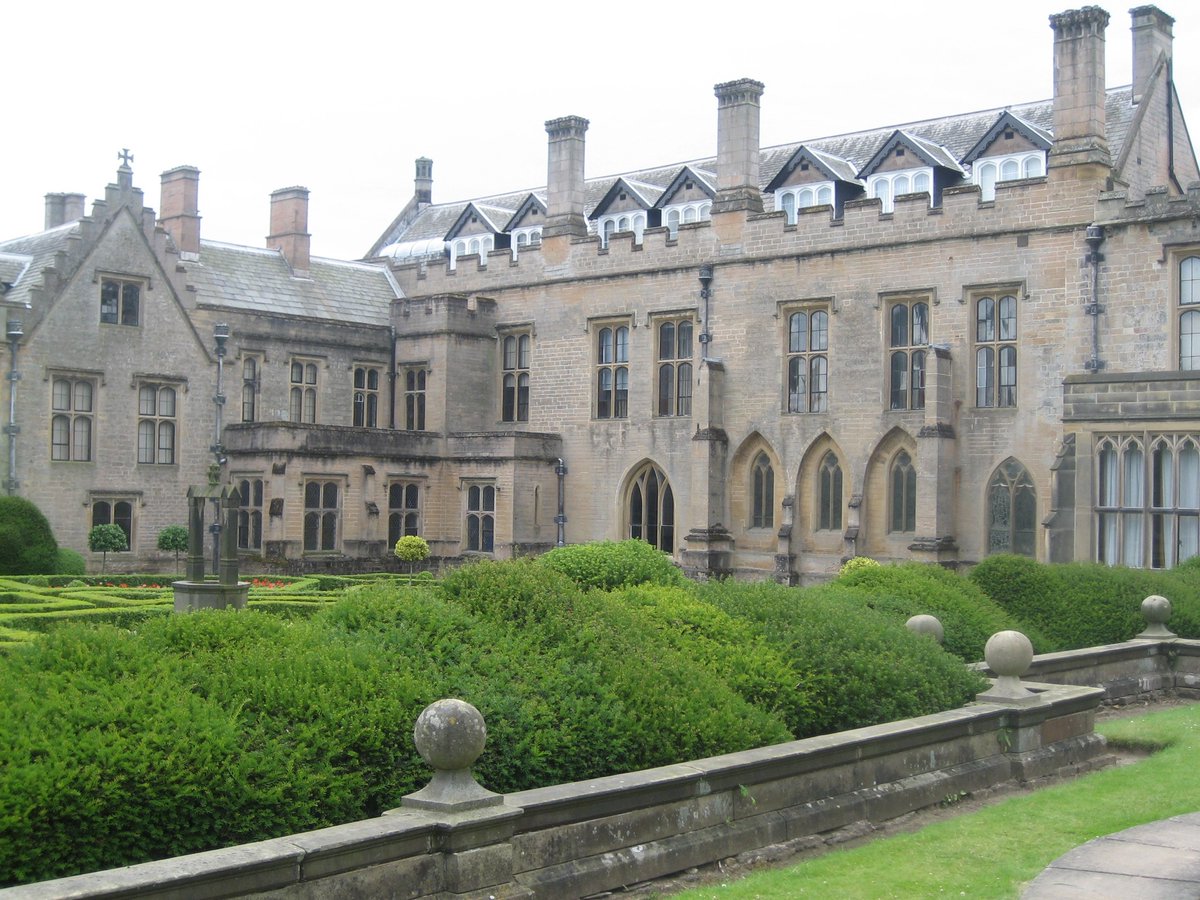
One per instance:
(996, 851)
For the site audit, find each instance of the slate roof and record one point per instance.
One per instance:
(23, 259)
(957, 134)
(259, 280)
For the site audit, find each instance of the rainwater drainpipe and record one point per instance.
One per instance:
(560, 469)
(1094, 238)
(706, 277)
(392, 379)
(12, 429)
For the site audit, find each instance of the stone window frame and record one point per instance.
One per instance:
(480, 503)
(675, 371)
(125, 310)
(645, 520)
(1009, 481)
(366, 381)
(793, 354)
(902, 493)
(762, 491)
(1185, 307)
(829, 492)
(913, 353)
(71, 416)
(1131, 520)
(515, 348)
(121, 510)
(321, 513)
(996, 292)
(611, 368)
(252, 492)
(413, 378)
(251, 385)
(804, 196)
(405, 518)
(158, 420)
(1024, 168)
(303, 391)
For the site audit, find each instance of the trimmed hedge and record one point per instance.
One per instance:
(854, 666)
(612, 564)
(1088, 604)
(27, 545)
(968, 615)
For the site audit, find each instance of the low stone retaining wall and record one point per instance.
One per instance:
(579, 839)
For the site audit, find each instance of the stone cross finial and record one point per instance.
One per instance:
(125, 157)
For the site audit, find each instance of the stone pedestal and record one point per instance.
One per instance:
(193, 595)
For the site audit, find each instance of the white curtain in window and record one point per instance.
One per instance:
(1134, 498)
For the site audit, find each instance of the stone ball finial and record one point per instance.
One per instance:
(1156, 611)
(1008, 653)
(929, 625)
(450, 734)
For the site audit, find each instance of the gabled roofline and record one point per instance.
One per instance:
(930, 154)
(1008, 119)
(630, 186)
(684, 173)
(530, 201)
(819, 158)
(468, 210)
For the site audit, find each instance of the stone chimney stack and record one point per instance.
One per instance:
(1152, 37)
(63, 208)
(565, 206)
(1079, 120)
(289, 227)
(423, 183)
(178, 211)
(737, 146)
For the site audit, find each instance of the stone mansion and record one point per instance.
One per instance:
(932, 341)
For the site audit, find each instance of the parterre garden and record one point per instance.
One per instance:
(130, 734)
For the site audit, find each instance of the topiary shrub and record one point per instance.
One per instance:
(27, 545)
(857, 562)
(105, 539)
(173, 539)
(411, 549)
(854, 666)
(69, 562)
(968, 615)
(611, 564)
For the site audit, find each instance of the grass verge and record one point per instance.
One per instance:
(996, 851)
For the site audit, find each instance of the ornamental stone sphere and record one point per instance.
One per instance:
(450, 735)
(1009, 654)
(926, 625)
(1156, 610)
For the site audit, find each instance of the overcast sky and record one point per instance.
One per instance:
(342, 97)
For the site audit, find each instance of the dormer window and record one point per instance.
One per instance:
(685, 213)
(469, 246)
(887, 186)
(607, 226)
(529, 236)
(791, 200)
(987, 172)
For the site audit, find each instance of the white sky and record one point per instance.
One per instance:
(342, 97)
